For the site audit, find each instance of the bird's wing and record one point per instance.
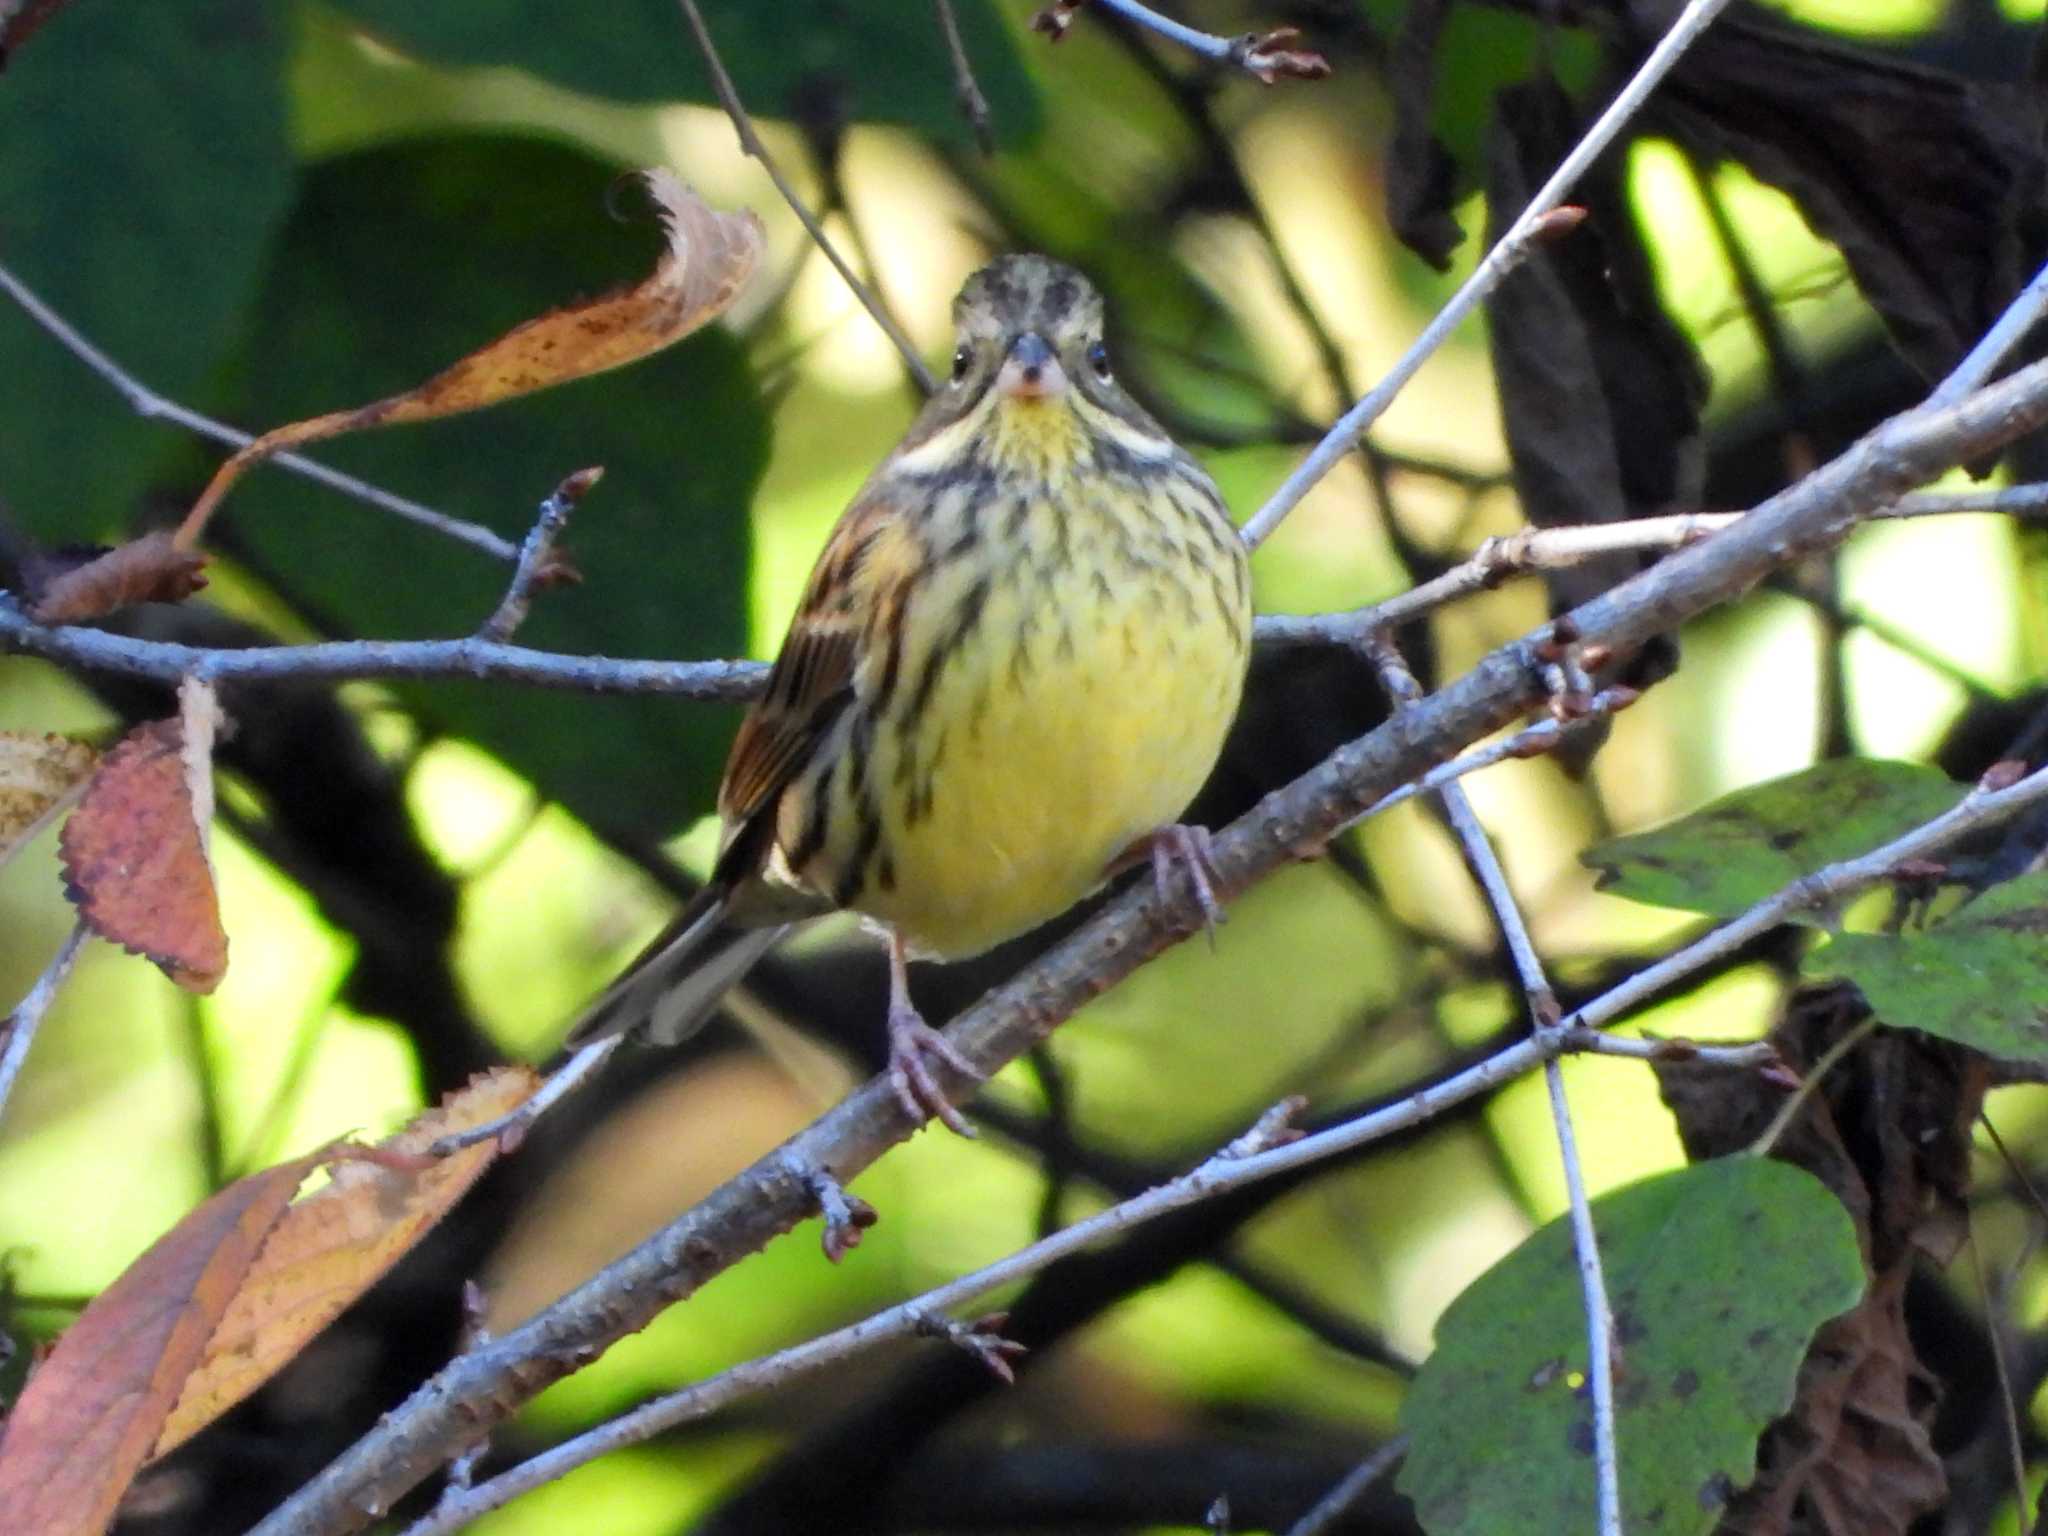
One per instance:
(819, 670)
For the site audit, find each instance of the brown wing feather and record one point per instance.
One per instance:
(814, 676)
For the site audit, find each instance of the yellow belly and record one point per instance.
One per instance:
(1077, 722)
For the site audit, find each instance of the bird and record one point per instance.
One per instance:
(1012, 668)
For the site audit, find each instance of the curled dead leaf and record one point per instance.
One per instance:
(151, 569)
(709, 258)
(40, 777)
(333, 1245)
(134, 852)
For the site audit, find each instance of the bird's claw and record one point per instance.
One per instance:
(912, 1043)
(1191, 848)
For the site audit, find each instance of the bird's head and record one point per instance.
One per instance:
(1031, 380)
(1030, 330)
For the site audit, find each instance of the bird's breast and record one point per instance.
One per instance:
(1065, 680)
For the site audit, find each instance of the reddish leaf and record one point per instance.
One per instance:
(151, 569)
(134, 852)
(92, 1410)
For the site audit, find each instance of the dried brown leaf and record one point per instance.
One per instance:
(134, 852)
(333, 1245)
(710, 257)
(151, 569)
(40, 776)
(90, 1412)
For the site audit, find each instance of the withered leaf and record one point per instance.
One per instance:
(40, 776)
(134, 852)
(333, 1245)
(151, 569)
(87, 1418)
(708, 260)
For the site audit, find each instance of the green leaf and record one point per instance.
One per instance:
(396, 262)
(803, 59)
(146, 169)
(1727, 857)
(1718, 1274)
(1978, 977)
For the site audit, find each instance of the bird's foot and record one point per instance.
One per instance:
(1188, 848)
(913, 1045)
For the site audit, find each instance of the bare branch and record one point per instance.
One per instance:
(338, 660)
(1544, 1018)
(20, 1028)
(1265, 56)
(1981, 807)
(2020, 317)
(1549, 549)
(1536, 221)
(966, 89)
(750, 142)
(1294, 822)
(509, 1129)
(1332, 1506)
(539, 563)
(151, 406)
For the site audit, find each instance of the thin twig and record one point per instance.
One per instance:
(28, 1013)
(1550, 549)
(1544, 1017)
(1265, 56)
(151, 406)
(966, 89)
(338, 660)
(1809, 1084)
(539, 564)
(1537, 221)
(750, 142)
(1331, 1507)
(1994, 1336)
(1981, 807)
(2020, 317)
(509, 1128)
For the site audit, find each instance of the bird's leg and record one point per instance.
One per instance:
(1187, 846)
(911, 1043)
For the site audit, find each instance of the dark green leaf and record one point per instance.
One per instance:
(806, 59)
(1735, 852)
(146, 170)
(1718, 1274)
(398, 261)
(1978, 977)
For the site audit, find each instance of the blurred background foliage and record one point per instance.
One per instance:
(267, 210)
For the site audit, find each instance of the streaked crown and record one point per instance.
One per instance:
(1016, 294)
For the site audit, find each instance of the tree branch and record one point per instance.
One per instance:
(1544, 1019)
(20, 1028)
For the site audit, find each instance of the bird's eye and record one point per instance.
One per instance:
(1098, 359)
(962, 357)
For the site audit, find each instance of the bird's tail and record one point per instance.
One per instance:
(676, 984)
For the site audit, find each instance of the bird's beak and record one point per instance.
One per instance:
(1031, 371)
